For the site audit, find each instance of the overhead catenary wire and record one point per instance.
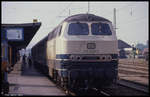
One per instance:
(123, 8)
(133, 21)
(56, 18)
(88, 7)
(117, 9)
(65, 9)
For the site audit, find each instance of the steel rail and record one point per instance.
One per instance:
(133, 85)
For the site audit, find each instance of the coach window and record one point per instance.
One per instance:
(100, 29)
(78, 29)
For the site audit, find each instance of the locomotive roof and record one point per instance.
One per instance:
(85, 17)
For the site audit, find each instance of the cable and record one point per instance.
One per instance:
(128, 26)
(134, 20)
(61, 12)
(108, 11)
(45, 28)
(65, 8)
(123, 7)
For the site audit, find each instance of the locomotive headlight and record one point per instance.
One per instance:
(78, 57)
(108, 57)
(103, 57)
(75, 57)
(72, 57)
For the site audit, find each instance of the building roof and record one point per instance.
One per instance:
(122, 44)
(146, 50)
(29, 30)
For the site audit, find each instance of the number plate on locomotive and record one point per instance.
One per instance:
(91, 45)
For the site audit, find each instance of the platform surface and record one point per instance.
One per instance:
(29, 81)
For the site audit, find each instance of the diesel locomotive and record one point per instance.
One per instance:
(81, 52)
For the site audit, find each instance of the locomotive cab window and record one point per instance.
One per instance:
(78, 29)
(100, 29)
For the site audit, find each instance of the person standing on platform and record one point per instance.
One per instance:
(30, 61)
(24, 62)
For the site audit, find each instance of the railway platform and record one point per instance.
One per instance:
(29, 82)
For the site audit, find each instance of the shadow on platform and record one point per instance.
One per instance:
(29, 70)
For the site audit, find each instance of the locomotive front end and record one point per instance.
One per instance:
(87, 52)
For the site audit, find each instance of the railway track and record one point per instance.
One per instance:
(134, 70)
(136, 62)
(134, 67)
(126, 88)
(137, 86)
(121, 88)
(88, 92)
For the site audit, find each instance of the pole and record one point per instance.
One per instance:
(69, 12)
(88, 7)
(115, 19)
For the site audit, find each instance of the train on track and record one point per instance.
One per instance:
(81, 52)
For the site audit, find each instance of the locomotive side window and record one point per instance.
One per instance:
(101, 29)
(55, 33)
(51, 35)
(78, 29)
(59, 30)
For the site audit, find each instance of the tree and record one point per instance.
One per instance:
(141, 46)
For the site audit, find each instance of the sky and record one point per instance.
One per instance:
(131, 17)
